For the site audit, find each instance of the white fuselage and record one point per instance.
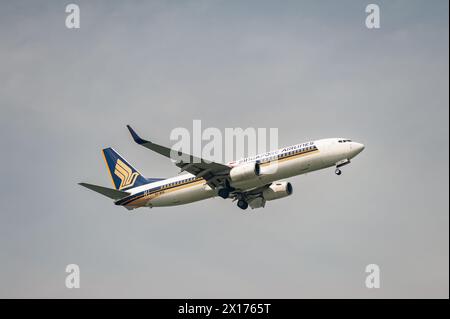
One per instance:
(286, 162)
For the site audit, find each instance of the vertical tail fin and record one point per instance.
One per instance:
(123, 175)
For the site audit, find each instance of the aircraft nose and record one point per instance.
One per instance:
(358, 148)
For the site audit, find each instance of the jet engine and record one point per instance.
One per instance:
(277, 190)
(245, 172)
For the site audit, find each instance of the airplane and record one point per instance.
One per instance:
(250, 181)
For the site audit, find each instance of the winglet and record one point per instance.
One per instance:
(136, 137)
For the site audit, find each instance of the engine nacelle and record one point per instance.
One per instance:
(277, 190)
(245, 172)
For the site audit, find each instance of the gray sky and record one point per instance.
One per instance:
(310, 68)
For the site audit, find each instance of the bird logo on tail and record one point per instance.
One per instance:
(125, 174)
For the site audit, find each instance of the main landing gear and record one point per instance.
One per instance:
(227, 190)
(224, 193)
(242, 204)
(338, 171)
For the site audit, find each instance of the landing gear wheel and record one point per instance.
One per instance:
(338, 171)
(224, 193)
(242, 204)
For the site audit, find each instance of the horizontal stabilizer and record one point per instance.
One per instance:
(108, 192)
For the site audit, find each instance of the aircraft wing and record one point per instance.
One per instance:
(214, 173)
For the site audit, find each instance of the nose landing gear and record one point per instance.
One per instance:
(340, 164)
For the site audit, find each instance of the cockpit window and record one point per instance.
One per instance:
(344, 141)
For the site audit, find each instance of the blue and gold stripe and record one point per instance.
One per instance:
(145, 195)
(163, 189)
